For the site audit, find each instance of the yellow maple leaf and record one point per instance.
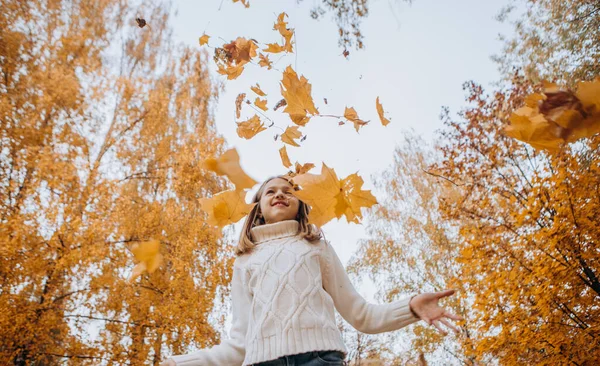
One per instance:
(291, 133)
(226, 207)
(384, 121)
(258, 90)
(241, 50)
(297, 94)
(204, 39)
(351, 115)
(532, 128)
(264, 61)
(261, 103)
(273, 48)
(285, 159)
(331, 198)
(228, 164)
(232, 72)
(304, 168)
(285, 32)
(248, 129)
(148, 256)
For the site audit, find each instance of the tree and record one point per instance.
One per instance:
(104, 129)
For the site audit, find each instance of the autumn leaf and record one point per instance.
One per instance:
(248, 129)
(232, 72)
(384, 121)
(238, 104)
(264, 61)
(281, 103)
(241, 50)
(245, 2)
(261, 103)
(204, 39)
(331, 198)
(304, 168)
(351, 115)
(286, 33)
(297, 94)
(228, 164)
(257, 90)
(226, 207)
(285, 159)
(291, 133)
(148, 256)
(274, 48)
(141, 22)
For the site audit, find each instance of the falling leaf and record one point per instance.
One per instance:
(285, 159)
(352, 116)
(301, 169)
(384, 121)
(241, 50)
(297, 94)
(229, 164)
(290, 134)
(274, 48)
(204, 39)
(226, 207)
(245, 2)
(148, 256)
(257, 90)
(261, 103)
(331, 198)
(281, 103)
(325, 100)
(141, 22)
(238, 104)
(248, 129)
(285, 32)
(232, 72)
(346, 53)
(264, 61)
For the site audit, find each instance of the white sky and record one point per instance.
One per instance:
(416, 59)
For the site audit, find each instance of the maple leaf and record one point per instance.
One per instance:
(229, 164)
(244, 2)
(241, 50)
(226, 207)
(285, 159)
(264, 61)
(532, 128)
(274, 48)
(291, 133)
(384, 121)
(285, 32)
(351, 115)
(248, 129)
(238, 104)
(297, 94)
(148, 256)
(331, 198)
(257, 90)
(232, 72)
(204, 39)
(304, 168)
(261, 103)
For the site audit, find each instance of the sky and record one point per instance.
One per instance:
(416, 58)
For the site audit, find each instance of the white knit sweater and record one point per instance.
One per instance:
(283, 298)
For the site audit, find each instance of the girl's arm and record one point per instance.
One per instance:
(232, 351)
(365, 317)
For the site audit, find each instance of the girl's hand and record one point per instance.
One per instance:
(426, 307)
(168, 362)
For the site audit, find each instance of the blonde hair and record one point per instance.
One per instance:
(308, 231)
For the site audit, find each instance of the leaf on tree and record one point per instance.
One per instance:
(297, 94)
(148, 256)
(261, 103)
(204, 39)
(264, 61)
(248, 129)
(257, 90)
(228, 164)
(273, 48)
(285, 159)
(351, 115)
(384, 121)
(331, 198)
(291, 133)
(285, 32)
(226, 207)
(238, 104)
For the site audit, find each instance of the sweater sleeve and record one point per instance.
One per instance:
(230, 352)
(365, 317)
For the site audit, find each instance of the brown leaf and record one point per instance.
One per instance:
(281, 103)
(238, 104)
(257, 90)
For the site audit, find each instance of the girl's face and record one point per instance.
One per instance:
(277, 202)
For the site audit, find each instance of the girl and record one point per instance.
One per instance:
(286, 283)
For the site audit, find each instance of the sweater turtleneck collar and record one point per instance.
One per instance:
(277, 230)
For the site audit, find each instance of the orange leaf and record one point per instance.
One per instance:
(229, 164)
(291, 133)
(261, 103)
(257, 90)
(297, 94)
(384, 121)
(232, 72)
(241, 50)
(147, 253)
(274, 48)
(204, 39)
(248, 129)
(285, 159)
(264, 61)
(238, 104)
(226, 207)
(245, 2)
(352, 116)
(301, 169)
(285, 32)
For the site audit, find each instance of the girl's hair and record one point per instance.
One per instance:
(308, 231)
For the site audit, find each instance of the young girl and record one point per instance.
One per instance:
(287, 282)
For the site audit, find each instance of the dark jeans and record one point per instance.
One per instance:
(315, 358)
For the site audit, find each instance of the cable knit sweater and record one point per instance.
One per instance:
(283, 298)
